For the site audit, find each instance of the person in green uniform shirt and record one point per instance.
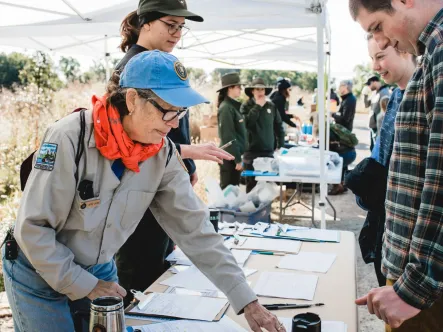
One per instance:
(263, 124)
(231, 128)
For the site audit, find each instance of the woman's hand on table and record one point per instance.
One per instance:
(259, 317)
(107, 288)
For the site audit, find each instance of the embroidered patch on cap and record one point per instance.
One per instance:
(46, 157)
(181, 161)
(181, 71)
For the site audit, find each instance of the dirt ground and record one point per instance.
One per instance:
(349, 217)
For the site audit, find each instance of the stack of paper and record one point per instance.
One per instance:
(224, 325)
(181, 306)
(193, 279)
(308, 261)
(286, 285)
(274, 245)
(326, 326)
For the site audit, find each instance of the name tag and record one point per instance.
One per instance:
(89, 204)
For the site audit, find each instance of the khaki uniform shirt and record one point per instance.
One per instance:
(61, 234)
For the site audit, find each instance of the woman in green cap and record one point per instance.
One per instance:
(231, 128)
(264, 126)
(157, 25)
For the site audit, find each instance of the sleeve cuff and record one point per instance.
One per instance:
(415, 294)
(81, 287)
(240, 296)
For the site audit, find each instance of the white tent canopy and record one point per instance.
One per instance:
(261, 34)
(237, 31)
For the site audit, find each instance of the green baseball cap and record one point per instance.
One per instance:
(168, 7)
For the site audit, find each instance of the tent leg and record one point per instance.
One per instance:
(321, 113)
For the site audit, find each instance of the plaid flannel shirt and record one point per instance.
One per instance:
(413, 243)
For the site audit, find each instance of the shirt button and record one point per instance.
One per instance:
(102, 252)
(108, 226)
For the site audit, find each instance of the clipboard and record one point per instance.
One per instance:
(136, 320)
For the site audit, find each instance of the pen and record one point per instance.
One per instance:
(268, 253)
(290, 306)
(227, 144)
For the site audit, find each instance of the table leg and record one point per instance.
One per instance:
(313, 203)
(333, 208)
(281, 201)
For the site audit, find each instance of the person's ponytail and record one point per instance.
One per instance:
(129, 30)
(221, 96)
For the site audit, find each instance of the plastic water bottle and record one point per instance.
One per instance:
(303, 128)
(309, 129)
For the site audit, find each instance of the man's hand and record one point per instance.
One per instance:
(388, 306)
(206, 151)
(261, 101)
(238, 167)
(107, 288)
(258, 317)
(194, 179)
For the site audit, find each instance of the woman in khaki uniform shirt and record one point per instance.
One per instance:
(67, 241)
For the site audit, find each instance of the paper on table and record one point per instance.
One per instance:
(185, 291)
(192, 278)
(178, 268)
(178, 257)
(241, 256)
(224, 325)
(308, 261)
(182, 306)
(286, 285)
(299, 233)
(277, 245)
(326, 326)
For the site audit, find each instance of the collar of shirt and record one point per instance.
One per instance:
(427, 36)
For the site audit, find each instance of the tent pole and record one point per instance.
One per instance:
(328, 122)
(321, 113)
(106, 59)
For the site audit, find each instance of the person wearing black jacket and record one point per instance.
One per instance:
(157, 25)
(346, 112)
(280, 99)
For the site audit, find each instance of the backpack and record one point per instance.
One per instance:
(27, 164)
(346, 137)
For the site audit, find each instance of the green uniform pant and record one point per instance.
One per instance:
(141, 260)
(428, 320)
(228, 174)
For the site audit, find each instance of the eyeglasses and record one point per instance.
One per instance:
(174, 27)
(169, 115)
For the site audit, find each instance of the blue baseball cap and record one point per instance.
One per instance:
(164, 74)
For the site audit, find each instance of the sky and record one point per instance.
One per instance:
(348, 43)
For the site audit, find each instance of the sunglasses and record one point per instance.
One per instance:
(174, 27)
(169, 115)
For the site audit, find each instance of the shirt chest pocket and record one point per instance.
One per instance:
(136, 205)
(86, 215)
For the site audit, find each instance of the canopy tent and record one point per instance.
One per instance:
(261, 34)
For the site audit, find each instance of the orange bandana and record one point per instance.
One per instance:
(113, 142)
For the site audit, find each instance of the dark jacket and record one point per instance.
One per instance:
(264, 126)
(180, 135)
(231, 125)
(346, 113)
(368, 181)
(282, 106)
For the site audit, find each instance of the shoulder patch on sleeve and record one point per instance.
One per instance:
(181, 161)
(46, 157)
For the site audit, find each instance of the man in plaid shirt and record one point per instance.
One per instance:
(413, 242)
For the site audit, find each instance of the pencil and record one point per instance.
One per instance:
(227, 144)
